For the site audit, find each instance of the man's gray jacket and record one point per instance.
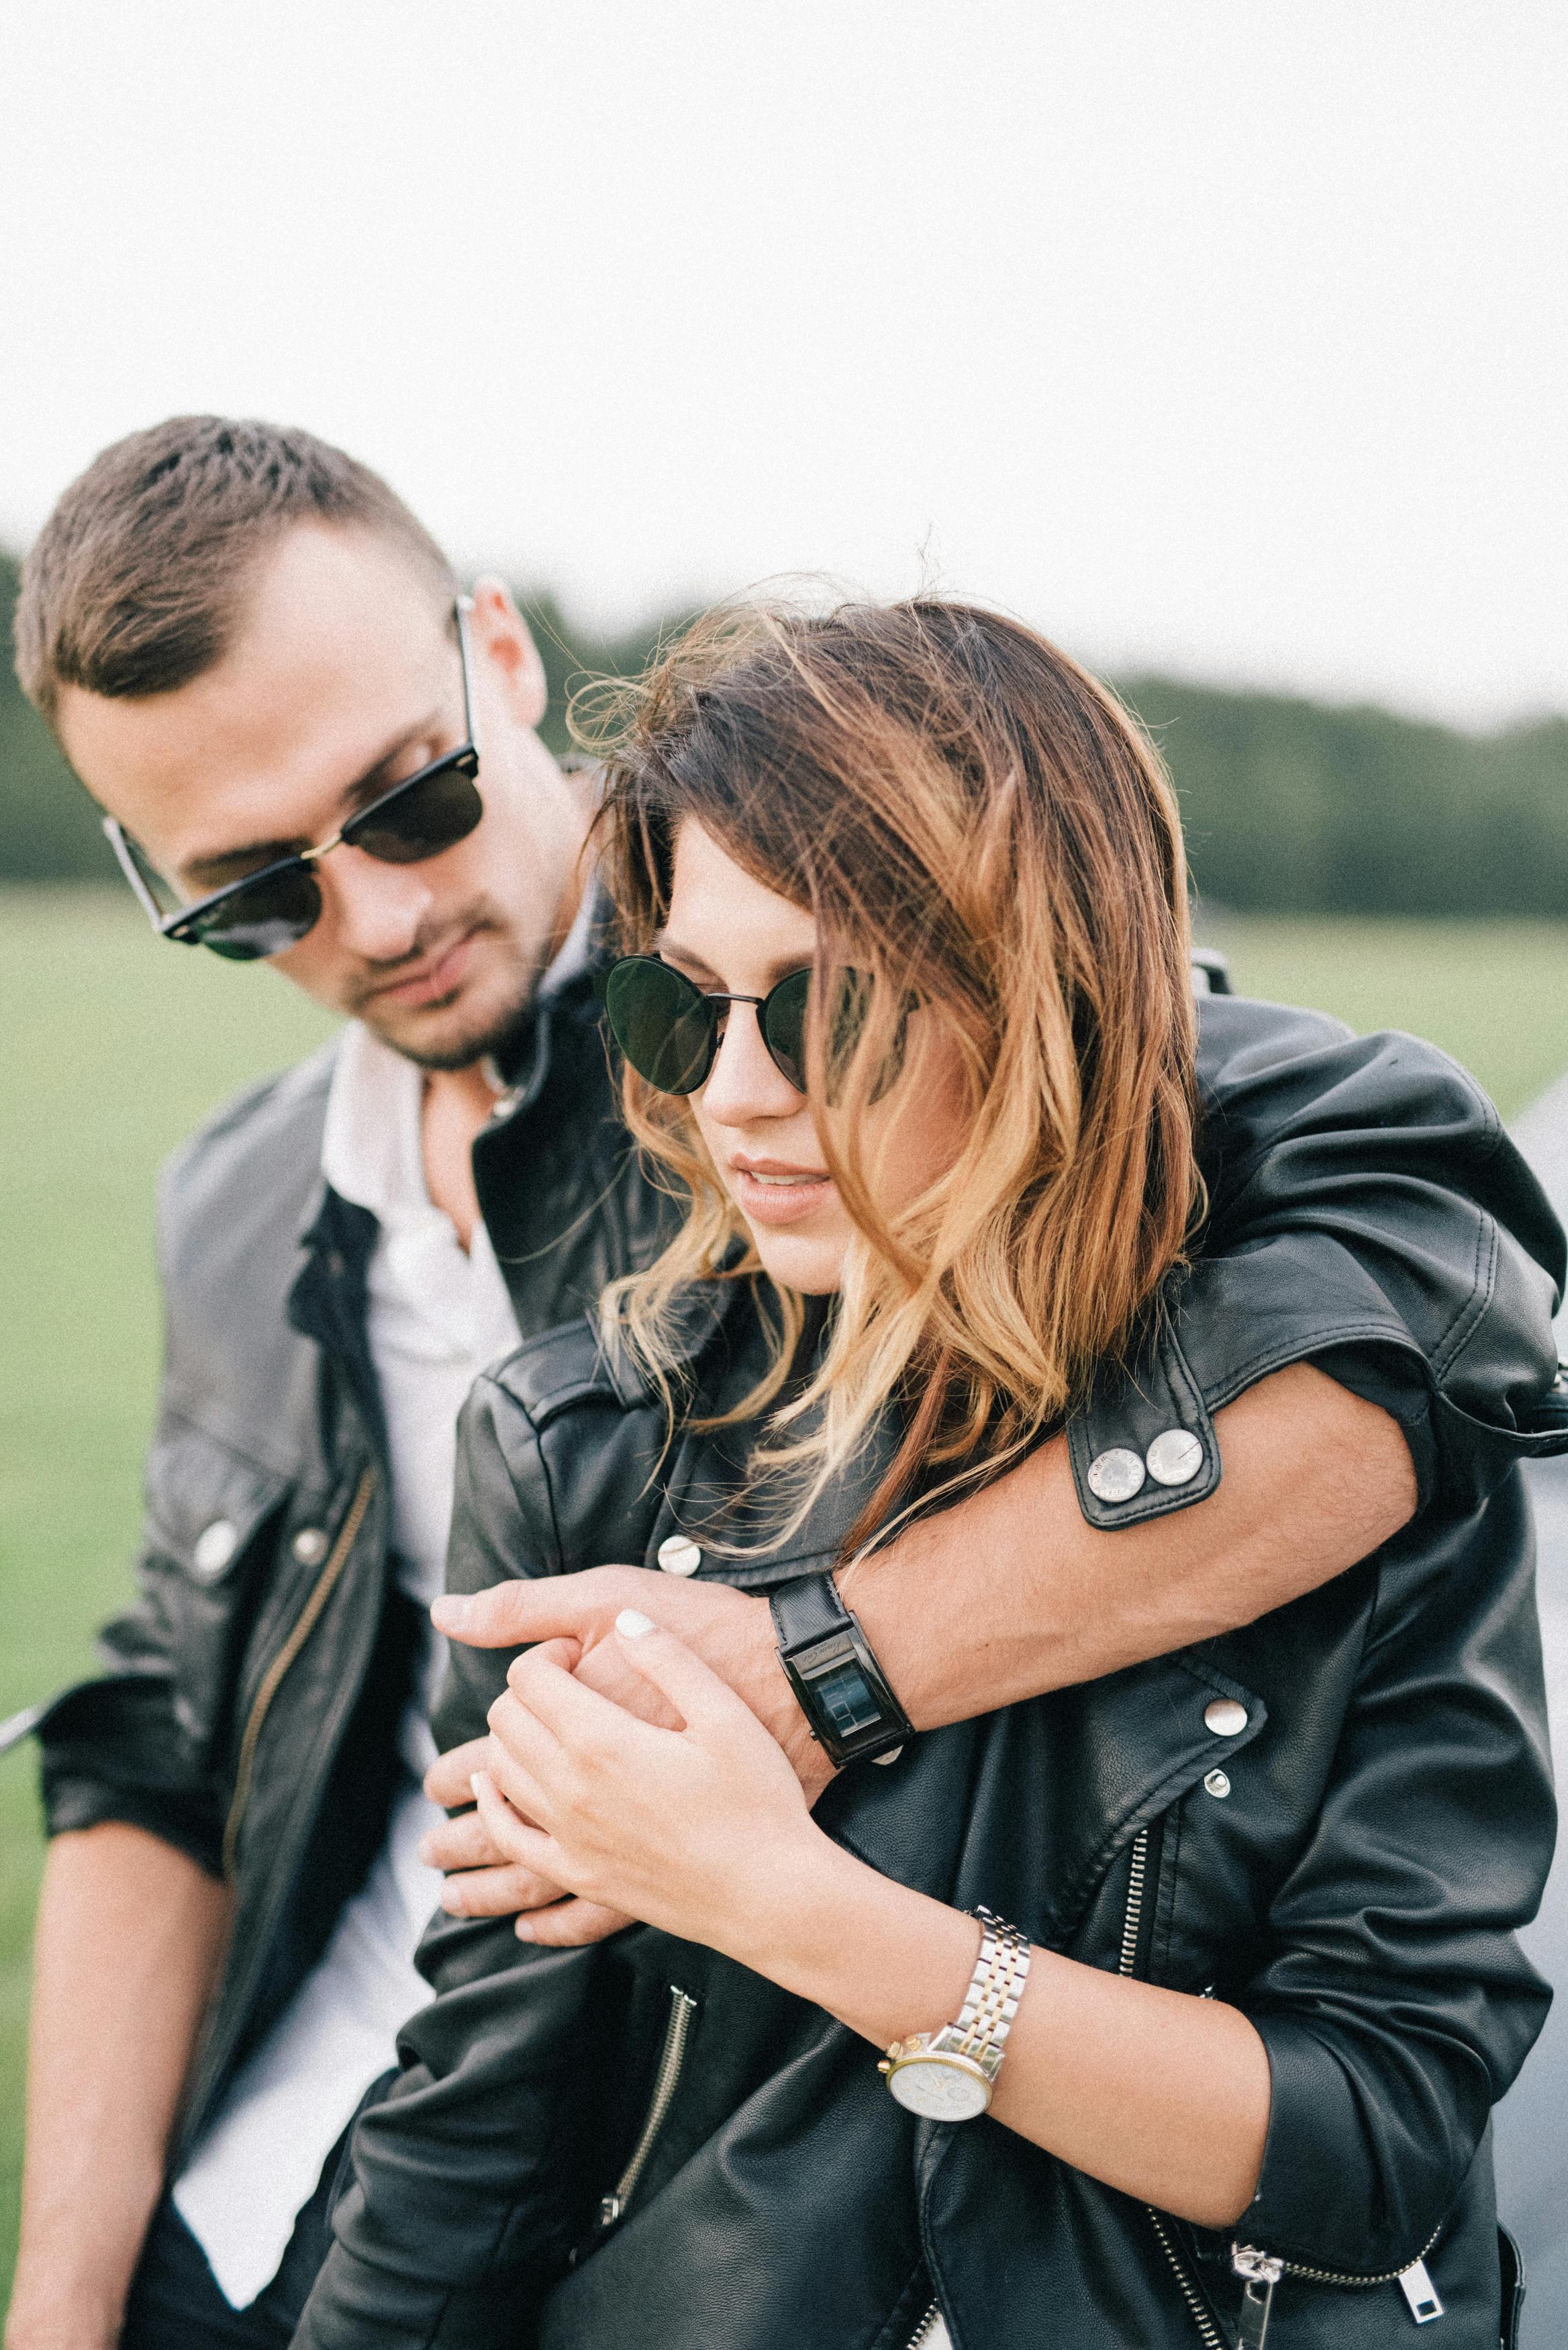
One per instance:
(1367, 1211)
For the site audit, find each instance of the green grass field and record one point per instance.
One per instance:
(113, 1047)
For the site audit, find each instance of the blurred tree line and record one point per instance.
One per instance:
(1290, 806)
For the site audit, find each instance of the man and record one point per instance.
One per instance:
(246, 645)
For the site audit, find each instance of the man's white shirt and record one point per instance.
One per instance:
(438, 1315)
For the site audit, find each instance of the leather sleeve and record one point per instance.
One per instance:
(112, 1750)
(142, 1742)
(457, 2218)
(138, 1743)
(1367, 1212)
(1397, 2005)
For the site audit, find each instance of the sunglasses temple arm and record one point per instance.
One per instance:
(464, 607)
(121, 847)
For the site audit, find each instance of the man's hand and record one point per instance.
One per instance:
(731, 1630)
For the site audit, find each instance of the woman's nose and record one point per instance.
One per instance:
(744, 1084)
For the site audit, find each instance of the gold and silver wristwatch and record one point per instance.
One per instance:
(949, 2075)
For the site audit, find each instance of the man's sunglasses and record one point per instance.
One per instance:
(268, 910)
(669, 1028)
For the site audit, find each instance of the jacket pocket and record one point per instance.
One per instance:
(209, 1512)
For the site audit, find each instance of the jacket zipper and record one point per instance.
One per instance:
(309, 1616)
(666, 2079)
(1260, 2272)
(1333, 2276)
(926, 2328)
(1132, 1928)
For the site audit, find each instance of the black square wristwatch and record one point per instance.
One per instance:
(841, 1688)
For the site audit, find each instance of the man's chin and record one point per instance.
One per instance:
(453, 1034)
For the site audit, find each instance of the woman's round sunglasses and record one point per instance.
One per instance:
(266, 911)
(669, 1028)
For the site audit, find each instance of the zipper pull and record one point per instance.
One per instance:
(1421, 2294)
(610, 2210)
(1260, 2273)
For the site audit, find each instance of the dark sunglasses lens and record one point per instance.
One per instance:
(661, 1023)
(784, 1025)
(432, 812)
(785, 1016)
(272, 912)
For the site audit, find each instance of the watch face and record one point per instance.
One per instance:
(847, 1698)
(940, 2088)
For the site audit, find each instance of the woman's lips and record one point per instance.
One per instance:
(766, 1197)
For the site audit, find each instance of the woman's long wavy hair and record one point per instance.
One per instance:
(991, 851)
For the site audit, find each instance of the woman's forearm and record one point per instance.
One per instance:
(703, 1833)
(1160, 2095)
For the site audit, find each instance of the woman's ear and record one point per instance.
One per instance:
(501, 637)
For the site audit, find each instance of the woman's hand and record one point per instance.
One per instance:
(701, 1830)
(704, 1830)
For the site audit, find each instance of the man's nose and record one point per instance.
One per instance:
(745, 1083)
(375, 910)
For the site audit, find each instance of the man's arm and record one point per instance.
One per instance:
(1315, 1478)
(1006, 1595)
(130, 1936)
(1367, 1210)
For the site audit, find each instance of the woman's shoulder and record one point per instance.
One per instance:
(562, 1444)
(581, 1366)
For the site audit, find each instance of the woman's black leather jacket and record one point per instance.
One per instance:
(644, 2147)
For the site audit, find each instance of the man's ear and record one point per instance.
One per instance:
(500, 636)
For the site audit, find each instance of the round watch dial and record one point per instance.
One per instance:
(940, 2088)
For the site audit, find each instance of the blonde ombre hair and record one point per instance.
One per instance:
(991, 851)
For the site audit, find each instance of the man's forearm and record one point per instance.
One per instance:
(1011, 1592)
(1002, 1597)
(130, 1936)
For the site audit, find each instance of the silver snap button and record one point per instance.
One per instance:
(679, 1554)
(1217, 1783)
(1225, 1717)
(309, 1545)
(1175, 1457)
(214, 1546)
(1115, 1475)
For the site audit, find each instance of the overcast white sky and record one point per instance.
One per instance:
(1222, 335)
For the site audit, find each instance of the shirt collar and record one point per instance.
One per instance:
(371, 1146)
(577, 948)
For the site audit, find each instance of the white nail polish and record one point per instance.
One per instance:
(633, 1625)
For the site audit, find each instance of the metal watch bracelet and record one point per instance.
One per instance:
(949, 2076)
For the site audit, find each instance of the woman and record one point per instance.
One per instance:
(907, 1011)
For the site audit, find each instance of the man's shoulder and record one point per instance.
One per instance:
(1273, 1064)
(1243, 1031)
(252, 1170)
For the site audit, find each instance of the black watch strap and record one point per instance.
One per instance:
(840, 1687)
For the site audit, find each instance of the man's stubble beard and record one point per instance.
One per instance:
(481, 1036)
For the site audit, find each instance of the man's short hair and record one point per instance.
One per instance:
(140, 577)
